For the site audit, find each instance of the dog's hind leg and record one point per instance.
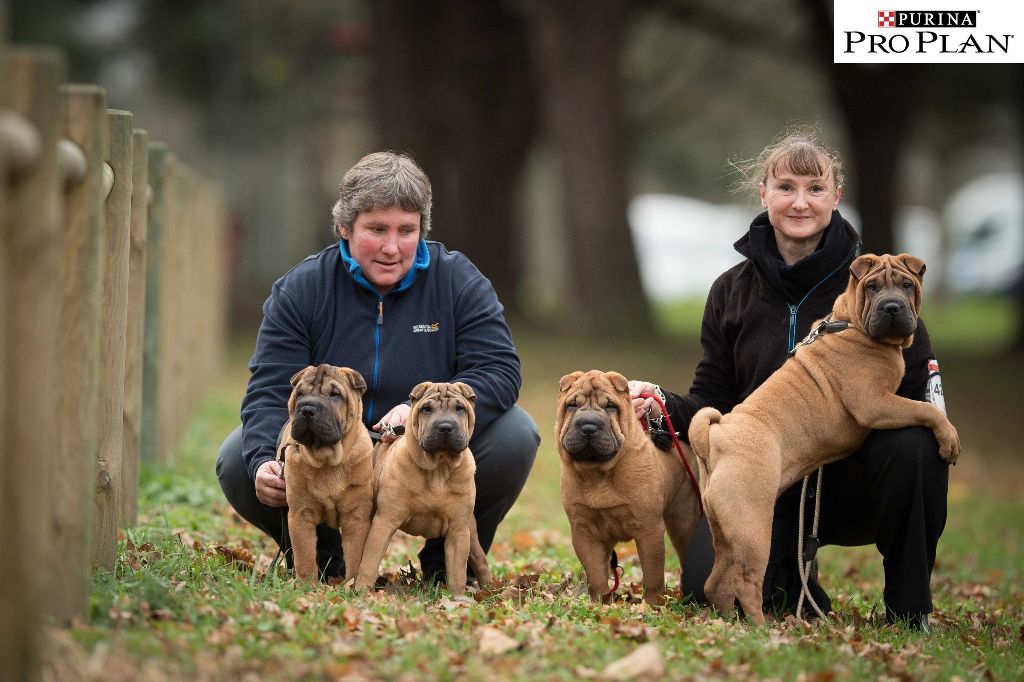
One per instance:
(681, 520)
(477, 557)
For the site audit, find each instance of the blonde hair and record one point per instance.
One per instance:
(798, 149)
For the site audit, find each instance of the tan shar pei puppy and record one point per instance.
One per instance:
(817, 408)
(327, 464)
(616, 485)
(424, 484)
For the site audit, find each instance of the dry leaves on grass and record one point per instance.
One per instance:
(494, 642)
(644, 663)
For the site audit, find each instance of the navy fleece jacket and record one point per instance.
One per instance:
(443, 322)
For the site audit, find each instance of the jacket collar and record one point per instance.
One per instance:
(421, 262)
(838, 246)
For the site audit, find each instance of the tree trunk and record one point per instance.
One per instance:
(877, 101)
(455, 89)
(577, 49)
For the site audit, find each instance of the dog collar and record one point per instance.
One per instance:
(826, 326)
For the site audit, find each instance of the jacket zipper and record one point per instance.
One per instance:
(376, 356)
(794, 308)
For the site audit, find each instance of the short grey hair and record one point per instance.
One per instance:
(383, 180)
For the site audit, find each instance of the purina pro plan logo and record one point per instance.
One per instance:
(975, 32)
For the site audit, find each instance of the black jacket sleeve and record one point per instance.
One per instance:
(714, 381)
(283, 348)
(915, 376)
(485, 357)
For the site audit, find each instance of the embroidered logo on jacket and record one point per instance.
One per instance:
(417, 328)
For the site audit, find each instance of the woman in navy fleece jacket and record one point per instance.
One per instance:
(400, 310)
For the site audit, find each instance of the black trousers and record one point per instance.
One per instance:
(504, 454)
(890, 493)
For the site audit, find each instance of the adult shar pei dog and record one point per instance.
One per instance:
(836, 387)
(328, 465)
(424, 484)
(616, 485)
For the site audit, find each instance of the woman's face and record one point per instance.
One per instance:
(383, 241)
(799, 206)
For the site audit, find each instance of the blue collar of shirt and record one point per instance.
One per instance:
(421, 262)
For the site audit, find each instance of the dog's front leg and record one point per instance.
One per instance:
(650, 546)
(381, 530)
(594, 554)
(356, 508)
(302, 531)
(456, 554)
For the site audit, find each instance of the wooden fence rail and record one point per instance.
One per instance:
(112, 325)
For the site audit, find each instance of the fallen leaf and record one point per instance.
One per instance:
(645, 662)
(494, 642)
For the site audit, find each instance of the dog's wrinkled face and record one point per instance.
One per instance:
(442, 417)
(591, 408)
(326, 401)
(887, 295)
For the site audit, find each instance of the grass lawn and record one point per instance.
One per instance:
(193, 597)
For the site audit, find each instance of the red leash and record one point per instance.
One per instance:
(617, 570)
(679, 448)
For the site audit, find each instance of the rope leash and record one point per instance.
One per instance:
(804, 563)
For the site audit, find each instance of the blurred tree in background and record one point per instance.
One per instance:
(536, 121)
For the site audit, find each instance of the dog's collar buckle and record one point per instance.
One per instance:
(826, 326)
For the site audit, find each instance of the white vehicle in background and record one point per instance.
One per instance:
(683, 244)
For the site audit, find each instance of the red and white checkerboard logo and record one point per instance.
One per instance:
(886, 18)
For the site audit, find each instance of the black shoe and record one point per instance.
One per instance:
(913, 621)
(330, 559)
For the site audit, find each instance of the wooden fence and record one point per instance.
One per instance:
(112, 318)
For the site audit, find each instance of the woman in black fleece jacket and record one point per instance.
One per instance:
(892, 492)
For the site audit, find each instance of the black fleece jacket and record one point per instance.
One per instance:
(757, 310)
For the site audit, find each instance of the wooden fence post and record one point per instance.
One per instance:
(31, 244)
(168, 398)
(132, 429)
(113, 327)
(151, 331)
(85, 125)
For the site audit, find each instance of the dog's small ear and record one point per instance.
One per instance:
(466, 390)
(298, 375)
(912, 263)
(418, 390)
(620, 382)
(863, 265)
(568, 380)
(355, 380)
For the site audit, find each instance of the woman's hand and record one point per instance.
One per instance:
(398, 415)
(644, 407)
(270, 485)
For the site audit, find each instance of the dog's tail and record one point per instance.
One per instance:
(698, 432)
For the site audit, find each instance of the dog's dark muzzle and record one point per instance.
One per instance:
(445, 435)
(315, 423)
(892, 317)
(589, 439)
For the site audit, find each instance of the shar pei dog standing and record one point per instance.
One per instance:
(616, 485)
(328, 465)
(839, 385)
(424, 485)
